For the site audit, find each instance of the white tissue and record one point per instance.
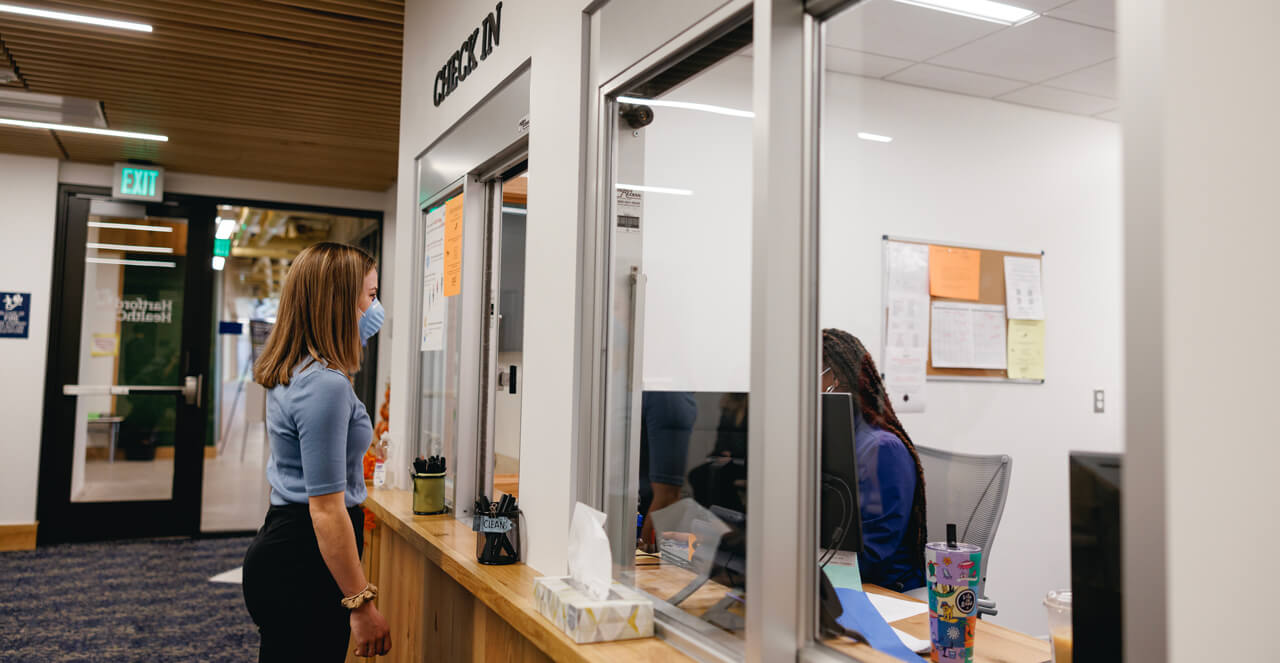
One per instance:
(590, 564)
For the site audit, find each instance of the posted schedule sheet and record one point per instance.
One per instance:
(968, 336)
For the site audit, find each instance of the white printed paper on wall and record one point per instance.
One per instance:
(908, 269)
(433, 299)
(1022, 289)
(904, 377)
(968, 335)
(908, 323)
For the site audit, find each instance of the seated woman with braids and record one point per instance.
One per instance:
(890, 477)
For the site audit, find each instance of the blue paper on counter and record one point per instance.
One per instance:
(859, 615)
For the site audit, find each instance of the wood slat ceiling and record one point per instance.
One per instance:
(303, 91)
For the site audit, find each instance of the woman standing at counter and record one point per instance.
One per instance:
(303, 583)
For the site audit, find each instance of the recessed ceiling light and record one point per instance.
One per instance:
(655, 189)
(983, 10)
(687, 105)
(82, 130)
(875, 137)
(75, 18)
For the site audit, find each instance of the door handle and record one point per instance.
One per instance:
(192, 389)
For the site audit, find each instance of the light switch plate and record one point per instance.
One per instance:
(1099, 401)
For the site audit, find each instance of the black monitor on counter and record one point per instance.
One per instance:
(1097, 582)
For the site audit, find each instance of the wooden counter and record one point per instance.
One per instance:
(443, 605)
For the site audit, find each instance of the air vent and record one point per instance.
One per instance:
(18, 104)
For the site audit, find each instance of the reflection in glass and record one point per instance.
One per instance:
(682, 264)
(440, 336)
(130, 335)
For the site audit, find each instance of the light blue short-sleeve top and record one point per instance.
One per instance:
(319, 432)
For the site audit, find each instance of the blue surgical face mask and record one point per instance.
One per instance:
(371, 321)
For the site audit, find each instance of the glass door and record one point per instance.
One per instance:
(124, 415)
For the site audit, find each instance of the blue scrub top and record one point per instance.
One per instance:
(886, 490)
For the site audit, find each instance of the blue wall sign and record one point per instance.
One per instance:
(15, 314)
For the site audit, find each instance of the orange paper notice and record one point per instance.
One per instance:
(953, 273)
(453, 246)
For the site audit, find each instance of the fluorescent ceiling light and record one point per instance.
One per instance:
(83, 130)
(226, 228)
(129, 247)
(130, 226)
(983, 10)
(218, 263)
(75, 18)
(875, 137)
(706, 108)
(514, 210)
(132, 263)
(655, 189)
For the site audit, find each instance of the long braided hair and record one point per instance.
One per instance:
(856, 372)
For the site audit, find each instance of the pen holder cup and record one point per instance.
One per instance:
(428, 494)
(497, 538)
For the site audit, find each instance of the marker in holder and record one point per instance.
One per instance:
(498, 526)
(428, 486)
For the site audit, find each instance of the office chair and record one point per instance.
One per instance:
(968, 490)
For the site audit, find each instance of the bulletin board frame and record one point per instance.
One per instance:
(991, 291)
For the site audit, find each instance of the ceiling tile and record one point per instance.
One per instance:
(955, 80)
(1098, 13)
(893, 29)
(1098, 80)
(1035, 51)
(858, 63)
(1066, 101)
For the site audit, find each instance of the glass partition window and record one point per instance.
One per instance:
(439, 334)
(680, 360)
(969, 206)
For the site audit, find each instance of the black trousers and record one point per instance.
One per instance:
(290, 593)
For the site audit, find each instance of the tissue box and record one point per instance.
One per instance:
(626, 614)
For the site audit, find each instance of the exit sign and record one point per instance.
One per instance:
(133, 182)
(221, 247)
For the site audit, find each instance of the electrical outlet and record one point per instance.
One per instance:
(1099, 401)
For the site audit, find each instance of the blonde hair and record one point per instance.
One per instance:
(319, 311)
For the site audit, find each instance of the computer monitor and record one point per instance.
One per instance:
(1096, 580)
(840, 525)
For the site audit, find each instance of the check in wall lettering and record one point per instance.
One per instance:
(464, 61)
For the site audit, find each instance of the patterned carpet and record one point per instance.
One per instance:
(145, 600)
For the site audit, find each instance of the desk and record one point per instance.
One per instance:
(114, 422)
(443, 605)
(991, 644)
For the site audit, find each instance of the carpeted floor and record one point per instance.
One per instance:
(125, 601)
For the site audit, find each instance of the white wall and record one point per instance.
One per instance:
(960, 169)
(26, 265)
(1200, 496)
(549, 33)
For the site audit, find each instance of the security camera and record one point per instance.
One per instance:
(636, 115)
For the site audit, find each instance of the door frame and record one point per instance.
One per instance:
(62, 520)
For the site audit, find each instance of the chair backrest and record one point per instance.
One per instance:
(968, 490)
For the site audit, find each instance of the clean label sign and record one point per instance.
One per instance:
(135, 182)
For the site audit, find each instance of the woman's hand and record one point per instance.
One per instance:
(369, 631)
